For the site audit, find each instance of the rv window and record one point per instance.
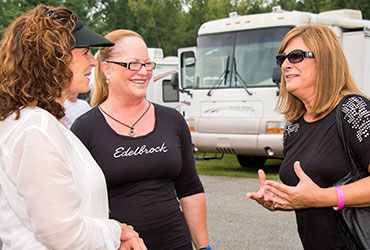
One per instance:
(187, 69)
(169, 93)
(255, 52)
(238, 59)
(214, 54)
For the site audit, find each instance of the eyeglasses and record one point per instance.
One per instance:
(294, 56)
(136, 66)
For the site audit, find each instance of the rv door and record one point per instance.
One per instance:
(186, 77)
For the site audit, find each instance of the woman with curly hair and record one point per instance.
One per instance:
(53, 194)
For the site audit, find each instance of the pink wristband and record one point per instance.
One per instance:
(340, 198)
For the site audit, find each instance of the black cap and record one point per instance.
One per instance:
(87, 38)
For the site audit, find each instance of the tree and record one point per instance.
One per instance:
(254, 7)
(110, 15)
(218, 9)
(363, 5)
(317, 6)
(160, 22)
(11, 9)
(194, 17)
(168, 24)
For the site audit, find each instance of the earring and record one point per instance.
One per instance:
(107, 81)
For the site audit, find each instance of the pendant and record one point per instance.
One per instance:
(131, 132)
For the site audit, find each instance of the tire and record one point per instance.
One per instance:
(251, 161)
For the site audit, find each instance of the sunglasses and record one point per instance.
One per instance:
(294, 56)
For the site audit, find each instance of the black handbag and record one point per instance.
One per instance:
(355, 222)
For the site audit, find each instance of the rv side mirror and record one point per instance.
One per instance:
(175, 80)
(276, 75)
(175, 84)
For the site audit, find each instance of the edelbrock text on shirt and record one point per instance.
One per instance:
(140, 150)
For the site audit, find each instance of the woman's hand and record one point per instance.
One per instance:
(130, 239)
(262, 197)
(306, 194)
(133, 244)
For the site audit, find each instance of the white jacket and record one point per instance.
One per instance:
(53, 194)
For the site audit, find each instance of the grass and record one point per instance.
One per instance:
(229, 166)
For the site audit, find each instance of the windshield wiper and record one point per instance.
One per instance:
(221, 78)
(240, 78)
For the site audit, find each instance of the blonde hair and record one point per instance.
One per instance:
(34, 56)
(100, 90)
(333, 77)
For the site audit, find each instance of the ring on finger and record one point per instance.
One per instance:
(284, 204)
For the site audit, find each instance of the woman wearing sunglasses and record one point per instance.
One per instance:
(315, 77)
(144, 150)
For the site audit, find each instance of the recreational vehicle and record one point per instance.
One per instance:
(228, 94)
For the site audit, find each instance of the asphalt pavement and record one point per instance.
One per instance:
(235, 222)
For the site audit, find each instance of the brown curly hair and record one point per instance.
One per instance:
(34, 56)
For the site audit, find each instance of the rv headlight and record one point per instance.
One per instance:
(191, 125)
(275, 127)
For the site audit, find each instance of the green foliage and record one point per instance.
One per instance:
(168, 24)
(254, 7)
(195, 16)
(160, 23)
(110, 15)
(218, 9)
(11, 9)
(317, 6)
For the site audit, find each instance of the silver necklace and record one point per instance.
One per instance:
(131, 131)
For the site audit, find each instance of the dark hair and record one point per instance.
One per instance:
(34, 56)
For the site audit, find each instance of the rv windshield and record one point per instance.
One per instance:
(253, 58)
